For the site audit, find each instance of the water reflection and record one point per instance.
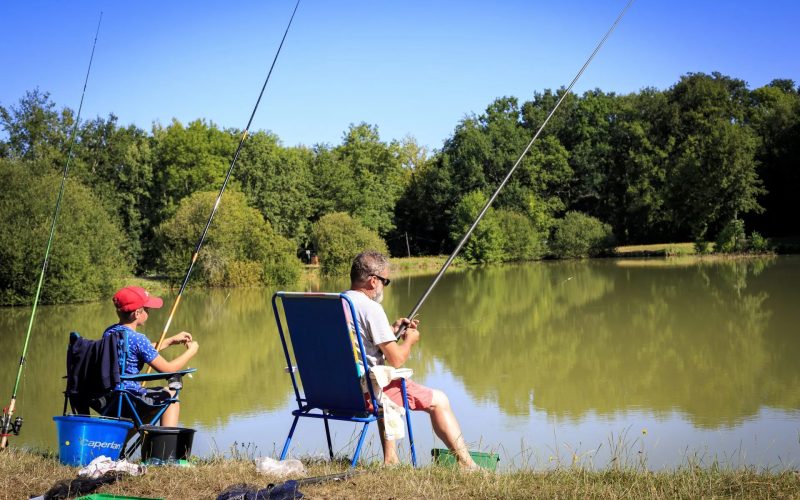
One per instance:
(570, 339)
(713, 344)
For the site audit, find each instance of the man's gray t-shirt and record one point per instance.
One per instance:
(374, 325)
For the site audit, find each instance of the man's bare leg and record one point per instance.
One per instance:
(446, 427)
(389, 447)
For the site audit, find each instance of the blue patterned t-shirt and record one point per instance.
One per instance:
(140, 351)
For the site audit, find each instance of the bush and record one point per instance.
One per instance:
(702, 247)
(240, 249)
(88, 256)
(338, 238)
(759, 244)
(731, 239)
(578, 235)
(487, 241)
(521, 242)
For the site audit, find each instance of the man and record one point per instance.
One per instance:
(369, 275)
(133, 304)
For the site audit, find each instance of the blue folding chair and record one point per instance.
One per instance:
(322, 350)
(95, 380)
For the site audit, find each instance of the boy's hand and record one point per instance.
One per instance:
(181, 338)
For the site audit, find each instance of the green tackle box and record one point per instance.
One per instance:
(443, 456)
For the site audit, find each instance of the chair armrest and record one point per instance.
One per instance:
(142, 377)
(403, 373)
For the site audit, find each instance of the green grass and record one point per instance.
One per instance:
(24, 473)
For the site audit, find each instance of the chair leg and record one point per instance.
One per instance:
(289, 438)
(328, 436)
(129, 450)
(408, 423)
(157, 416)
(360, 443)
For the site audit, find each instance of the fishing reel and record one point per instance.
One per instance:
(7, 427)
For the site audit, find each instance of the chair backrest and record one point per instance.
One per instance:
(323, 348)
(93, 369)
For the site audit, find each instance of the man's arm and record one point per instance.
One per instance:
(397, 354)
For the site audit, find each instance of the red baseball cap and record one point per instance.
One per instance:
(132, 298)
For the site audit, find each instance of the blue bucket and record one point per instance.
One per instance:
(82, 439)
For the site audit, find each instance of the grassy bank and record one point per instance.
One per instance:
(25, 473)
(401, 266)
(656, 250)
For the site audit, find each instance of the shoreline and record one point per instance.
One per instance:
(24, 473)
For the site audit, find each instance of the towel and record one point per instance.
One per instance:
(381, 375)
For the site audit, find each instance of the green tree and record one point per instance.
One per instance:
(775, 116)
(586, 135)
(240, 249)
(479, 155)
(88, 257)
(521, 239)
(36, 131)
(333, 183)
(578, 235)
(715, 178)
(424, 210)
(338, 238)
(187, 160)
(277, 181)
(732, 238)
(378, 174)
(117, 163)
(487, 241)
(637, 180)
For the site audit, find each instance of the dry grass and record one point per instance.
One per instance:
(401, 267)
(24, 473)
(658, 249)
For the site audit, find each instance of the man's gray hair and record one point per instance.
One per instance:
(366, 264)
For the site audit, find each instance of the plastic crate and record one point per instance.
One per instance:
(488, 461)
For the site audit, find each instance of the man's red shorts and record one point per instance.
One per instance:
(419, 396)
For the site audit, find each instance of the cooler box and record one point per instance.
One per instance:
(81, 439)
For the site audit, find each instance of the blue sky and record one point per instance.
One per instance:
(411, 67)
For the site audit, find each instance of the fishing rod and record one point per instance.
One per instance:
(221, 190)
(483, 211)
(7, 427)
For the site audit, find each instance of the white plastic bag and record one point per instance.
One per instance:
(266, 465)
(102, 465)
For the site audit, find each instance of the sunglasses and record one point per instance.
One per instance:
(385, 281)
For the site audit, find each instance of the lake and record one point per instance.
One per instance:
(641, 361)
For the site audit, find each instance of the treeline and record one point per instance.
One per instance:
(680, 164)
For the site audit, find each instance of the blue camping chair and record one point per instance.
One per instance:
(322, 350)
(95, 377)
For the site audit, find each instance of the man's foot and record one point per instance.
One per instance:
(470, 467)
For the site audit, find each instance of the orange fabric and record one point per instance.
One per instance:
(419, 396)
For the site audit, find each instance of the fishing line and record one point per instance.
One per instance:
(221, 190)
(511, 172)
(6, 425)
